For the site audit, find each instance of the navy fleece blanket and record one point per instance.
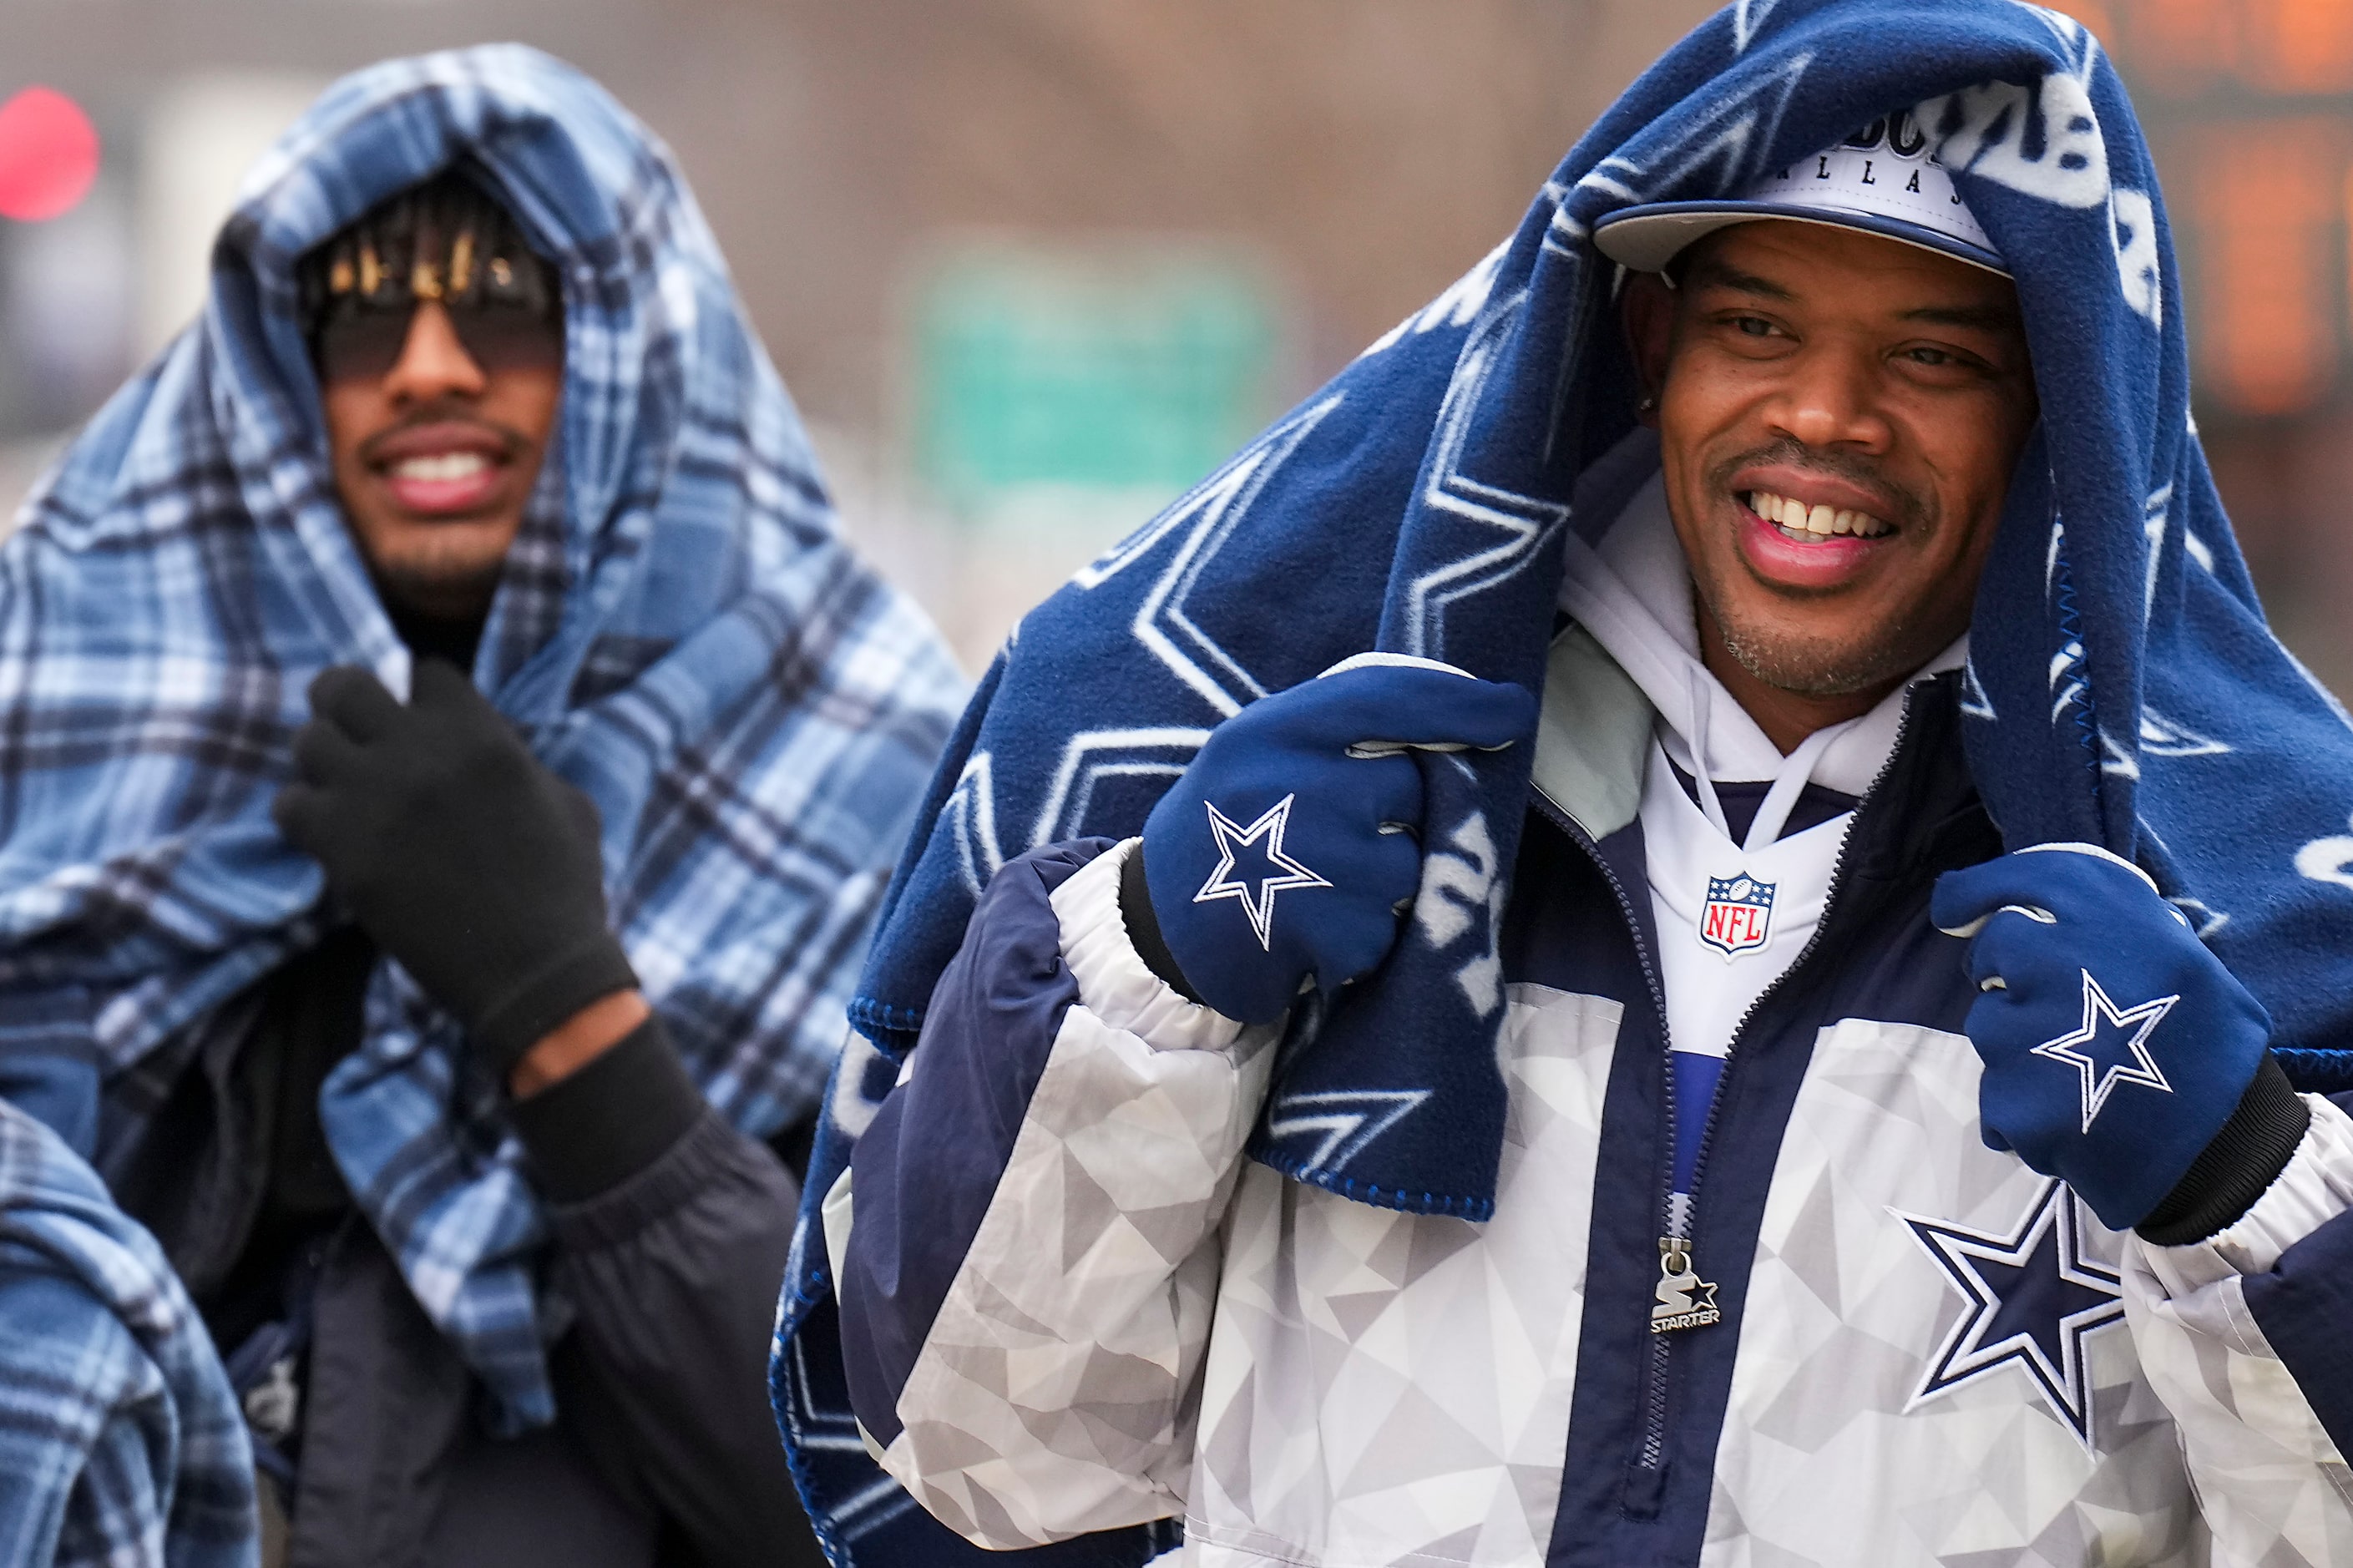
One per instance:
(2125, 686)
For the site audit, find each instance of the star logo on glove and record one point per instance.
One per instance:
(1264, 836)
(2100, 1063)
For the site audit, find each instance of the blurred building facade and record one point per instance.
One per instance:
(1029, 266)
(2249, 105)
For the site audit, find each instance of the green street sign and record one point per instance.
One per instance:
(1133, 368)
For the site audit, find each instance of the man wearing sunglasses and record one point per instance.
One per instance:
(484, 760)
(439, 338)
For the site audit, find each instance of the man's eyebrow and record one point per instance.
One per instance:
(1981, 318)
(1717, 274)
(1994, 317)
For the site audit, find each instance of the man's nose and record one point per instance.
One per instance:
(1830, 398)
(433, 360)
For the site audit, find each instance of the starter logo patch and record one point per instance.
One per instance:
(1738, 915)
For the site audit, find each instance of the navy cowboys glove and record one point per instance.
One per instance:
(1287, 850)
(458, 851)
(2116, 1048)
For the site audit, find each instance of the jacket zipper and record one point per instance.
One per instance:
(1676, 1249)
(1655, 1375)
(1822, 930)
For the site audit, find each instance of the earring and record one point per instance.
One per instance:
(1649, 404)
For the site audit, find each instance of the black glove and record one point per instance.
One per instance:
(462, 856)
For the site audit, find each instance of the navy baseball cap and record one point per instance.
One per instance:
(1883, 180)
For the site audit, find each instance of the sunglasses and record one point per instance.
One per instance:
(364, 344)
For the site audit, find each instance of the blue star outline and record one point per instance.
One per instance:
(1286, 872)
(2031, 1297)
(2098, 1084)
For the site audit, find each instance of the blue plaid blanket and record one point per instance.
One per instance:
(680, 630)
(2124, 688)
(120, 1444)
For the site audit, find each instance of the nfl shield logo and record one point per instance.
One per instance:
(1738, 914)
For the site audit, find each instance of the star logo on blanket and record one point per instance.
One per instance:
(1265, 837)
(2032, 1296)
(2103, 1054)
(1738, 914)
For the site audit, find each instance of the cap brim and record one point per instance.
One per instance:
(1646, 239)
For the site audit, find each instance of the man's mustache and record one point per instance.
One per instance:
(514, 444)
(1902, 505)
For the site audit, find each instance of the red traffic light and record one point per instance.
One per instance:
(49, 155)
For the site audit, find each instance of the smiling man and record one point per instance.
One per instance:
(439, 337)
(479, 758)
(1842, 412)
(1654, 1122)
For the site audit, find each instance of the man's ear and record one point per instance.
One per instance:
(1646, 307)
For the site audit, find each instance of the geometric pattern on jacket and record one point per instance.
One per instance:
(1379, 1387)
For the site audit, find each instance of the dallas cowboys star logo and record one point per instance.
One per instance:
(2033, 1297)
(1285, 871)
(2100, 1016)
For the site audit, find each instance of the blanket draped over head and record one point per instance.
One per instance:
(679, 631)
(2124, 688)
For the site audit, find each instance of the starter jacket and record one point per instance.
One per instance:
(1380, 1290)
(1071, 1304)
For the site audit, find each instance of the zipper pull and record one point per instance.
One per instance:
(1686, 1300)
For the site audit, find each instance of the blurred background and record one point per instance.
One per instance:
(1033, 266)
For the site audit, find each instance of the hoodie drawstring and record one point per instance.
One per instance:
(1797, 771)
(1700, 705)
(1789, 781)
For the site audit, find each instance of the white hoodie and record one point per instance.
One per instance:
(1732, 916)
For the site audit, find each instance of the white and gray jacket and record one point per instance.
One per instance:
(1070, 1304)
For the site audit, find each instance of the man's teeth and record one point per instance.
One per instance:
(441, 468)
(1796, 517)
